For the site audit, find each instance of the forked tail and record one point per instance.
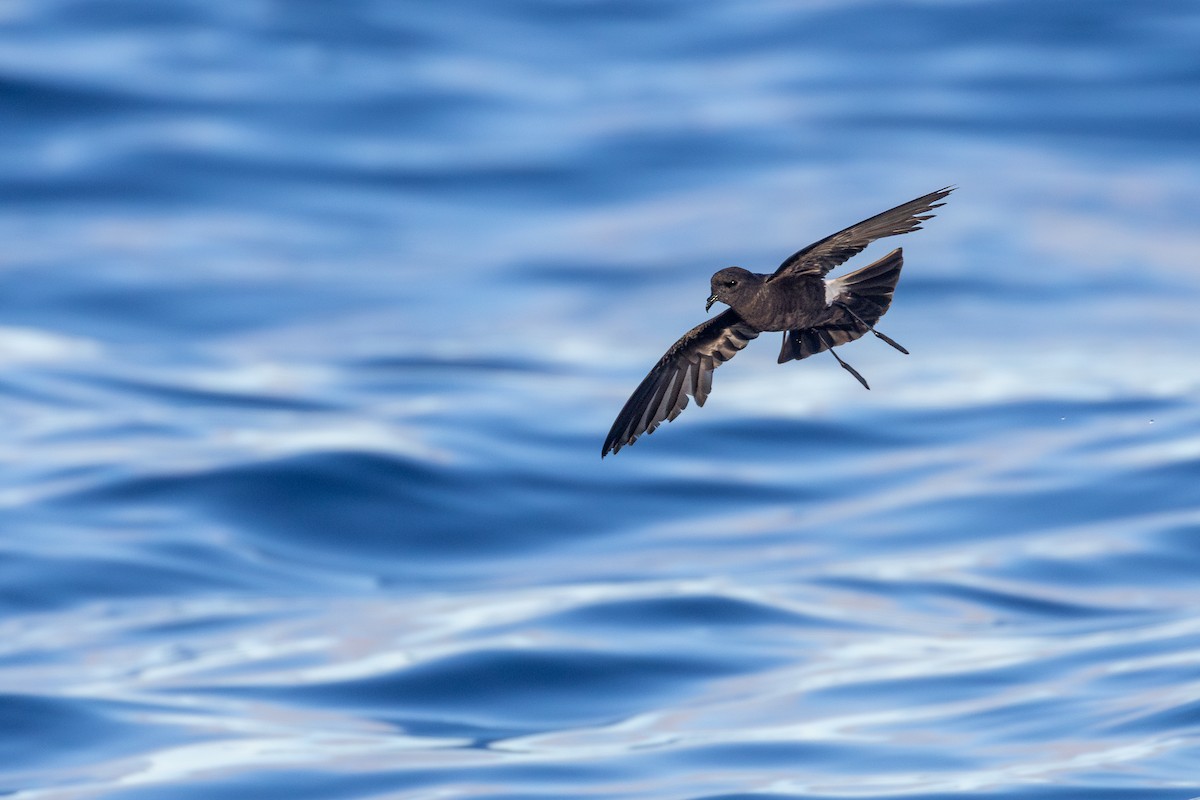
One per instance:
(857, 301)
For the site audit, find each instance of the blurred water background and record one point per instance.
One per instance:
(313, 317)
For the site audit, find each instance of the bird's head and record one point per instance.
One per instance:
(731, 285)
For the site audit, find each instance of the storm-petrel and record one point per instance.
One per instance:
(814, 314)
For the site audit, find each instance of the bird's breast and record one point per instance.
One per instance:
(788, 304)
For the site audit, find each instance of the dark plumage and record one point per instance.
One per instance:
(815, 314)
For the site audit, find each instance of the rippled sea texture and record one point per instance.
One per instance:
(313, 317)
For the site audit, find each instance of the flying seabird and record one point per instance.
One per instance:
(814, 313)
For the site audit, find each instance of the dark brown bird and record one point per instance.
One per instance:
(815, 314)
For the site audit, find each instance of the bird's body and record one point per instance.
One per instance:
(794, 301)
(815, 314)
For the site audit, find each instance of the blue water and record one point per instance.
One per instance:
(313, 317)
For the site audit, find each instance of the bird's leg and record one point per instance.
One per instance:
(864, 323)
(829, 343)
(850, 369)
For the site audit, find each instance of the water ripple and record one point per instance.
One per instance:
(314, 318)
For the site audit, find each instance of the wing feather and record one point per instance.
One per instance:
(820, 257)
(706, 370)
(685, 369)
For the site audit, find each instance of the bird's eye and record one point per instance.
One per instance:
(731, 283)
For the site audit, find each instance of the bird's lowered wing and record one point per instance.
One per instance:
(685, 369)
(822, 256)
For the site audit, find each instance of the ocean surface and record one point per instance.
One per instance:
(314, 315)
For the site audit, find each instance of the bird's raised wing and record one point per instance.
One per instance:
(820, 257)
(685, 369)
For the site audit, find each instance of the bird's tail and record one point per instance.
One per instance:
(858, 300)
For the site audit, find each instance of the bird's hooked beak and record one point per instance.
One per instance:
(711, 300)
